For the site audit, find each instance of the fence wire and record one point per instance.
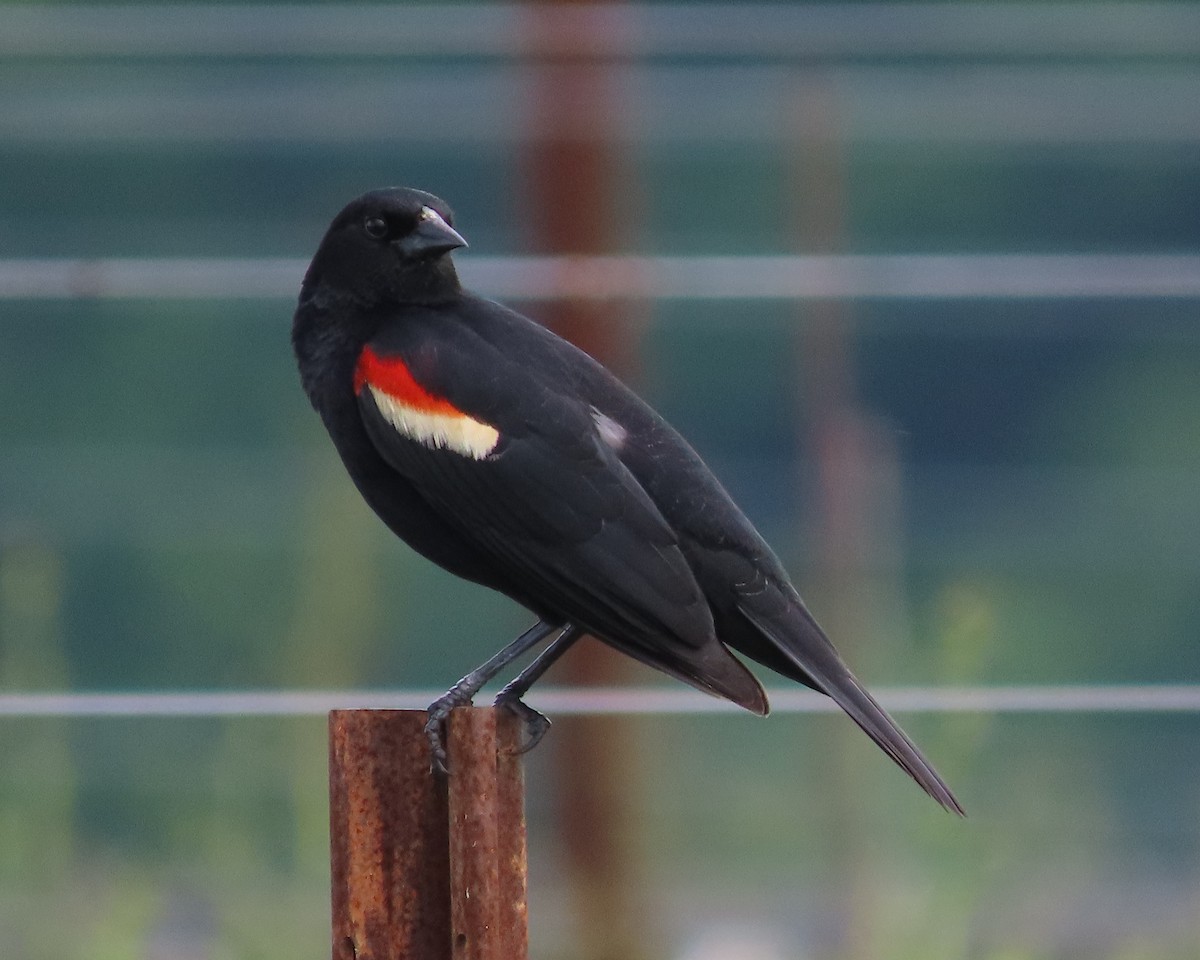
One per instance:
(595, 701)
(787, 277)
(818, 31)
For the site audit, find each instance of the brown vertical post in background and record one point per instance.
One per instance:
(576, 199)
(423, 866)
(856, 479)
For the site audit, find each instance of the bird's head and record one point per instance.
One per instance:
(388, 245)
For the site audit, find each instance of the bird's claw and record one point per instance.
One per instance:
(435, 727)
(435, 732)
(535, 724)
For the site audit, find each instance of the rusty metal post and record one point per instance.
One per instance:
(487, 839)
(389, 836)
(513, 851)
(425, 867)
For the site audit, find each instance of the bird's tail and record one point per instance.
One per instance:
(823, 669)
(875, 722)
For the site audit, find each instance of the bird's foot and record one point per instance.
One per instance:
(461, 694)
(435, 727)
(535, 724)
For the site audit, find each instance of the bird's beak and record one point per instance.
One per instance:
(431, 237)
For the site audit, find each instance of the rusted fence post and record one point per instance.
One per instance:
(426, 867)
(487, 839)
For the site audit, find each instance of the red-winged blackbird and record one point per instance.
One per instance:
(513, 459)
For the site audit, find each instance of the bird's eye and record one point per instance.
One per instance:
(376, 228)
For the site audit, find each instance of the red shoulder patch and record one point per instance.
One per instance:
(391, 375)
(418, 414)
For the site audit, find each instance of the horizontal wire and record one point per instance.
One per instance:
(817, 31)
(771, 277)
(288, 109)
(1165, 698)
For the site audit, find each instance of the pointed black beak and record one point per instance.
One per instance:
(432, 236)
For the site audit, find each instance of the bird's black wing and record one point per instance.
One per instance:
(519, 469)
(756, 609)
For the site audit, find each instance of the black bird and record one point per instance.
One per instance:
(506, 455)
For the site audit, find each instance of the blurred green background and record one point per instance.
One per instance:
(968, 490)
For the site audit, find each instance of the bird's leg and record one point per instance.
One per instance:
(462, 692)
(536, 724)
